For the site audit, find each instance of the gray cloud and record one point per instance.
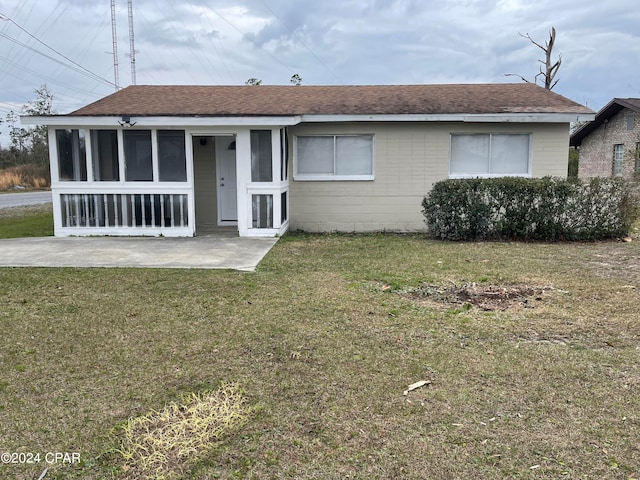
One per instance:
(327, 42)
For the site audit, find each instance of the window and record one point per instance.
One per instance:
(261, 161)
(172, 161)
(631, 120)
(490, 155)
(334, 157)
(638, 157)
(72, 155)
(618, 159)
(137, 156)
(104, 152)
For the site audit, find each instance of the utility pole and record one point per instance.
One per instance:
(114, 36)
(132, 49)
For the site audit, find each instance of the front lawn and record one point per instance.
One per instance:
(30, 221)
(322, 341)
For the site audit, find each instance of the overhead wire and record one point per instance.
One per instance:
(76, 66)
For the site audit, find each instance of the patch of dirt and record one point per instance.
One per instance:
(485, 297)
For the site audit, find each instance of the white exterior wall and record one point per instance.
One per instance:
(408, 159)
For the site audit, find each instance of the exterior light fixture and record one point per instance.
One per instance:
(126, 122)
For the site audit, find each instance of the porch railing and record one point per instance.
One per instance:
(124, 210)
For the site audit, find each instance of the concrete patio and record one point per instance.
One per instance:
(219, 250)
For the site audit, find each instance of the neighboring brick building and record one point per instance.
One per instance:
(610, 144)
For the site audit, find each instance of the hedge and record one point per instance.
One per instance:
(548, 209)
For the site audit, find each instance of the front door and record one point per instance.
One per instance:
(226, 178)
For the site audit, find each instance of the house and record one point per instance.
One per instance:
(610, 145)
(181, 160)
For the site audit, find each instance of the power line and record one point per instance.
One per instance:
(79, 68)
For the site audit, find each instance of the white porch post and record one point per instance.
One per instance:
(243, 179)
(55, 178)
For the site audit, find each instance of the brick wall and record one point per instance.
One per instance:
(596, 151)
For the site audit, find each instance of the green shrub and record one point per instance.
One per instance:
(547, 209)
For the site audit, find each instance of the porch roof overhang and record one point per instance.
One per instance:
(227, 121)
(163, 121)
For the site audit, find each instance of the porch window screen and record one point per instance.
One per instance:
(338, 156)
(137, 155)
(261, 161)
(172, 160)
(72, 155)
(489, 154)
(104, 152)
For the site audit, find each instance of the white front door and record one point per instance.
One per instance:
(226, 178)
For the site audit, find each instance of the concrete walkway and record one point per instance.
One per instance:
(220, 250)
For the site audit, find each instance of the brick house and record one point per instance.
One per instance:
(610, 144)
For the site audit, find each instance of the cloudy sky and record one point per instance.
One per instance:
(67, 44)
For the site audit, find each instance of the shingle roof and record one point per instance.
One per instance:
(609, 110)
(264, 100)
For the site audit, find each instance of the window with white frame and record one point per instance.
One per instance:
(490, 154)
(334, 157)
(618, 159)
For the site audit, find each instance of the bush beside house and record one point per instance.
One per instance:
(548, 209)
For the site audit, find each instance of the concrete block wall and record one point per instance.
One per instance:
(408, 159)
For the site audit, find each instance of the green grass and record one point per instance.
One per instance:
(32, 221)
(323, 349)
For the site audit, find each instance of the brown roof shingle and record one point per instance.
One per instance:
(268, 100)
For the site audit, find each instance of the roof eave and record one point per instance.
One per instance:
(187, 121)
(160, 121)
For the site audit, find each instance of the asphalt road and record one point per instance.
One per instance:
(8, 200)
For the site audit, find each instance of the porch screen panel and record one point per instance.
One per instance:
(510, 154)
(172, 159)
(262, 211)
(261, 156)
(137, 155)
(354, 155)
(469, 154)
(315, 155)
(104, 154)
(72, 155)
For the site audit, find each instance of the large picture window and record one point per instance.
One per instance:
(334, 157)
(482, 155)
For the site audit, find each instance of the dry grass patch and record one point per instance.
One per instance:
(164, 444)
(29, 176)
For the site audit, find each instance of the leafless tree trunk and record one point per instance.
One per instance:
(550, 68)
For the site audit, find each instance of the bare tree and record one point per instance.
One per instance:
(550, 68)
(296, 79)
(253, 81)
